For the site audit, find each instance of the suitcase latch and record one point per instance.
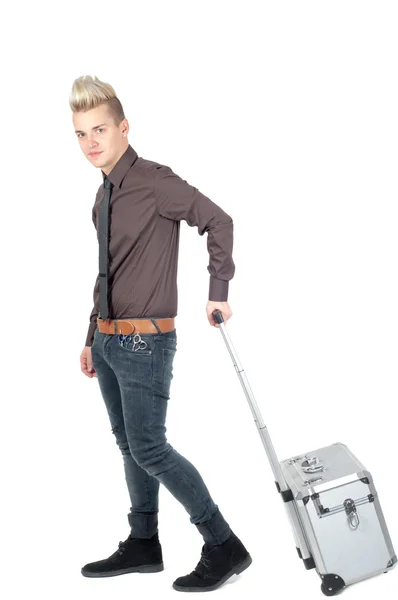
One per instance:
(312, 465)
(351, 511)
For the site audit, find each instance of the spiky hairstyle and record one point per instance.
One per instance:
(89, 92)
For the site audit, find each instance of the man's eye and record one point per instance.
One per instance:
(99, 129)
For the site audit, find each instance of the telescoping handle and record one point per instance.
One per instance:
(276, 468)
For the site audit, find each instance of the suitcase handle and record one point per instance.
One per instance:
(217, 314)
(282, 487)
(276, 468)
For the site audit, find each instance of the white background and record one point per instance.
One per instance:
(285, 115)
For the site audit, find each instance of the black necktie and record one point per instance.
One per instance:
(103, 248)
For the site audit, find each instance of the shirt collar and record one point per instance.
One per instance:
(120, 169)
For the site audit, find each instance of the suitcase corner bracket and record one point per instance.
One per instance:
(287, 495)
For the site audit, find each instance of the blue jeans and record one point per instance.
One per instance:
(135, 385)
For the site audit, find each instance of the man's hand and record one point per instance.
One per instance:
(86, 363)
(223, 307)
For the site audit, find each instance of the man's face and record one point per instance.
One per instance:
(97, 132)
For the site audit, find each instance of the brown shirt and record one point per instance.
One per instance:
(147, 204)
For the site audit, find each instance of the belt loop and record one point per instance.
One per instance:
(156, 325)
(114, 325)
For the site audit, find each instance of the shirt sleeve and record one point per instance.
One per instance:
(93, 316)
(176, 199)
(95, 310)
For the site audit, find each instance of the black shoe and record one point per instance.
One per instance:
(216, 565)
(134, 554)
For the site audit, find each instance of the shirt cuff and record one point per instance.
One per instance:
(218, 289)
(90, 333)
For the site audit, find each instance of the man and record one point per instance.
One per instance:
(131, 340)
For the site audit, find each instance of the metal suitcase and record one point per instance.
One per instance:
(333, 506)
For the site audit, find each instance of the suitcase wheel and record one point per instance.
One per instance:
(328, 591)
(332, 584)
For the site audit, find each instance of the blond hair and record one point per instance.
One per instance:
(89, 92)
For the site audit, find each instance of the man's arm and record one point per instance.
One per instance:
(176, 199)
(95, 310)
(93, 316)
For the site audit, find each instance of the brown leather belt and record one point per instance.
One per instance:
(127, 326)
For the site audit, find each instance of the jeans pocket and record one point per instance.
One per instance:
(140, 345)
(168, 359)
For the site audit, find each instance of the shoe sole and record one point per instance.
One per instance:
(137, 569)
(235, 571)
